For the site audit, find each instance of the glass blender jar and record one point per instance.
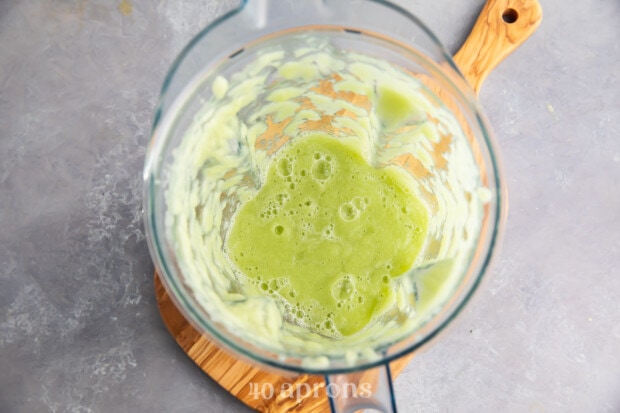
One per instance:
(218, 126)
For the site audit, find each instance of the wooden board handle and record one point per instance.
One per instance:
(501, 27)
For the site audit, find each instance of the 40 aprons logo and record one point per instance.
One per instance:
(304, 390)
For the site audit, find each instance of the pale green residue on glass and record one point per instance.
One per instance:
(223, 160)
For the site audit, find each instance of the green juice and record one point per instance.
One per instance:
(327, 233)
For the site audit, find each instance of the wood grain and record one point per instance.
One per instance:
(491, 40)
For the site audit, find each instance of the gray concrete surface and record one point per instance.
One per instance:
(79, 329)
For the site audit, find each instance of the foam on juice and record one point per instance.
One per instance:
(326, 233)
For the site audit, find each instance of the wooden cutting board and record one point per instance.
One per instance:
(501, 27)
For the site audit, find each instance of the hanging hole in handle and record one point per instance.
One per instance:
(510, 16)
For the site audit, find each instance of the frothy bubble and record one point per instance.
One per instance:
(343, 288)
(329, 232)
(282, 198)
(322, 170)
(348, 212)
(360, 203)
(285, 167)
